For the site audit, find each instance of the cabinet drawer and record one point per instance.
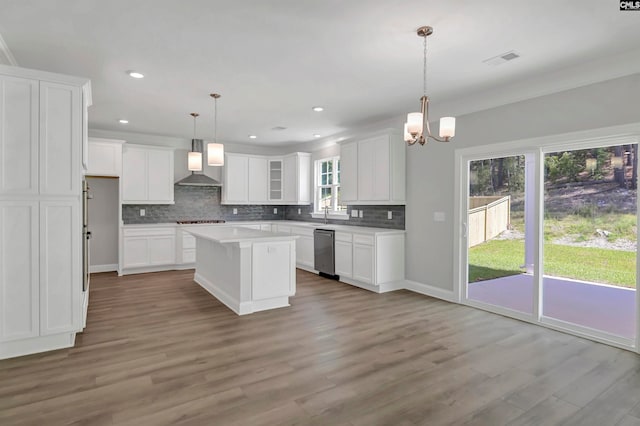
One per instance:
(149, 232)
(188, 241)
(343, 236)
(363, 239)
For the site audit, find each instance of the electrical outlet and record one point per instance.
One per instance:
(143, 212)
(389, 214)
(235, 211)
(439, 217)
(354, 213)
(275, 210)
(361, 214)
(299, 211)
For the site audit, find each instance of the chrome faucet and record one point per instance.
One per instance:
(326, 210)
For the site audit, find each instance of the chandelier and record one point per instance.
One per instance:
(417, 129)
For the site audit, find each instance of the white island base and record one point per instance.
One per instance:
(247, 270)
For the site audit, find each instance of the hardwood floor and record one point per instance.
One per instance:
(160, 350)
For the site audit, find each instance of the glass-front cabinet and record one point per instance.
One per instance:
(275, 180)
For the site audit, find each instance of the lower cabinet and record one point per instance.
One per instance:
(344, 254)
(147, 248)
(40, 275)
(304, 245)
(363, 259)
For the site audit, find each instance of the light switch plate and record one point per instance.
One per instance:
(354, 213)
(299, 211)
(235, 211)
(439, 216)
(143, 212)
(389, 214)
(275, 210)
(361, 214)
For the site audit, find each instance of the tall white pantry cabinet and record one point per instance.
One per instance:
(43, 134)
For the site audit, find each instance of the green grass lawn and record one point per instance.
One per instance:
(499, 258)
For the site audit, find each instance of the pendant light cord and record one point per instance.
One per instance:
(424, 68)
(215, 119)
(194, 126)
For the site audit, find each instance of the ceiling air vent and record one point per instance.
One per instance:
(501, 59)
(279, 128)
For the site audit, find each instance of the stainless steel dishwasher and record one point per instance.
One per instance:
(324, 252)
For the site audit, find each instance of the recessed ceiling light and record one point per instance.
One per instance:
(135, 74)
(317, 109)
(316, 135)
(252, 136)
(123, 121)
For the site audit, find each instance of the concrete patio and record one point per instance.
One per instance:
(601, 307)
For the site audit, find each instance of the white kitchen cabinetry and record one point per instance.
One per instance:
(349, 172)
(373, 171)
(258, 185)
(297, 178)
(147, 175)
(304, 246)
(147, 249)
(105, 157)
(250, 179)
(363, 258)
(344, 254)
(235, 188)
(41, 144)
(276, 177)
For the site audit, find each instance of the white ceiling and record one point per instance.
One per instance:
(273, 60)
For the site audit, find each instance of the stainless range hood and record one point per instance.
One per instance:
(198, 178)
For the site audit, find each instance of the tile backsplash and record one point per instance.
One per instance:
(197, 203)
(203, 203)
(374, 216)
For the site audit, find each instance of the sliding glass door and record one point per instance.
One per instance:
(590, 239)
(500, 262)
(549, 235)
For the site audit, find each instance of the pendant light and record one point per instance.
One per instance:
(215, 151)
(194, 160)
(417, 129)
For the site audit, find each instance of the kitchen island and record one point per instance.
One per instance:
(246, 269)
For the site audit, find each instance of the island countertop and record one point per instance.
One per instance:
(232, 234)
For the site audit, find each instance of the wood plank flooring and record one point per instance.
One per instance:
(158, 350)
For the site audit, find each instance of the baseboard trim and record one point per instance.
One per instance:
(429, 290)
(224, 297)
(94, 269)
(36, 345)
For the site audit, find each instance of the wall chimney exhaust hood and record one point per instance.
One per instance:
(198, 179)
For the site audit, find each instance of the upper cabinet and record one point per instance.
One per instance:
(19, 106)
(297, 178)
(275, 180)
(373, 171)
(105, 157)
(147, 175)
(236, 179)
(258, 179)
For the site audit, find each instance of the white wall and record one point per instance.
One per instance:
(430, 169)
(103, 221)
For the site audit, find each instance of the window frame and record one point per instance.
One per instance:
(336, 209)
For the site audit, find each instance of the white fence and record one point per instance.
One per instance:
(488, 217)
